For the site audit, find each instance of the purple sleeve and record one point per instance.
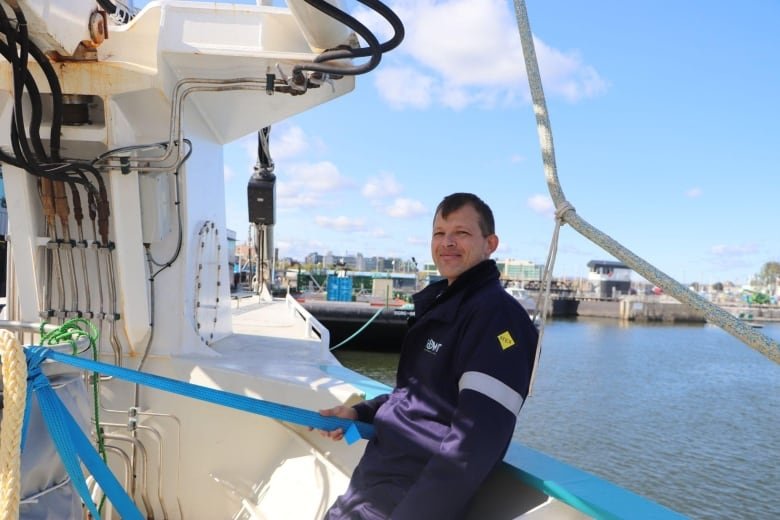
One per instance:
(366, 410)
(480, 433)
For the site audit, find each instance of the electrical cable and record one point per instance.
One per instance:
(166, 264)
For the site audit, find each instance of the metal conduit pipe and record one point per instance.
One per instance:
(34, 329)
(125, 459)
(85, 274)
(54, 253)
(139, 446)
(178, 453)
(78, 216)
(101, 299)
(160, 467)
(116, 347)
(183, 88)
(62, 210)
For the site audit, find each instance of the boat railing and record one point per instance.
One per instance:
(313, 328)
(29, 333)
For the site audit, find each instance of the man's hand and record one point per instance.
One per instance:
(342, 411)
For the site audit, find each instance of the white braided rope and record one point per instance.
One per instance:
(544, 299)
(713, 313)
(14, 368)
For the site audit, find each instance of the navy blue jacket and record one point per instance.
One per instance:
(463, 375)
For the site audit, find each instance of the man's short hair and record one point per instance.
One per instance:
(456, 201)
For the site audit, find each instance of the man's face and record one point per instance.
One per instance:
(457, 244)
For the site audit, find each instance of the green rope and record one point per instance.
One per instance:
(366, 324)
(70, 332)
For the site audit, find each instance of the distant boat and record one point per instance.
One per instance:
(528, 303)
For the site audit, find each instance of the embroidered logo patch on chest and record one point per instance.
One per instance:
(505, 339)
(432, 347)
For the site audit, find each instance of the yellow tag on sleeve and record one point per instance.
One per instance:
(505, 340)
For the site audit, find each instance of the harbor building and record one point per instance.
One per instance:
(519, 270)
(610, 279)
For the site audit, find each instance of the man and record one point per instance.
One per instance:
(463, 375)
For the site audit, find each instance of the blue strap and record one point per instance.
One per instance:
(74, 447)
(72, 444)
(354, 430)
(97, 467)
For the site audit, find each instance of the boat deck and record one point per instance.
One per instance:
(279, 343)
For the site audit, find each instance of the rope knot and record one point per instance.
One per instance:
(35, 357)
(561, 210)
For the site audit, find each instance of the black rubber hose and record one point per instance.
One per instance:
(19, 66)
(107, 5)
(391, 18)
(56, 96)
(34, 93)
(355, 25)
(37, 163)
(5, 51)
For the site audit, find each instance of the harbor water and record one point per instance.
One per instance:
(685, 415)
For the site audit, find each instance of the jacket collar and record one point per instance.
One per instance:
(468, 282)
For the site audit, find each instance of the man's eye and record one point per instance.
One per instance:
(438, 234)
(462, 233)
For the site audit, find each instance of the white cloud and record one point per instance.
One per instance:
(730, 250)
(465, 52)
(383, 185)
(340, 223)
(298, 248)
(291, 142)
(404, 87)
(418, 241)
(378, 233)
(405, 208)
(541, 204)
(305, 184)
(566, 75)
(694, 193)
(289, 199)
(320, 177)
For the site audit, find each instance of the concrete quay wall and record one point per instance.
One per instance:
(643, 309)
(629, 309)
(755, 312)
(668, 312)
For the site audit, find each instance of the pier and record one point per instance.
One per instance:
(387, 330)
(343, 319)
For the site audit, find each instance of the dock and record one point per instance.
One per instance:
(386, 331)
(343, 319)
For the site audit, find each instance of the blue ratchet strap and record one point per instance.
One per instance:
(71, 443)
(353, 430)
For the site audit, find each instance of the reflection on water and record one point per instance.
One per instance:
(685, 415)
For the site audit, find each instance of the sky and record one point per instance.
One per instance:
(665, 117)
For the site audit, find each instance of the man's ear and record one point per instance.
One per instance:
(492, 241)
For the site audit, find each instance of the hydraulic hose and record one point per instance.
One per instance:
(374, 49)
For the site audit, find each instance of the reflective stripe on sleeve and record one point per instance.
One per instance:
(491, 387)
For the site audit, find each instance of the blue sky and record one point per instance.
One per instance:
(665, 117)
